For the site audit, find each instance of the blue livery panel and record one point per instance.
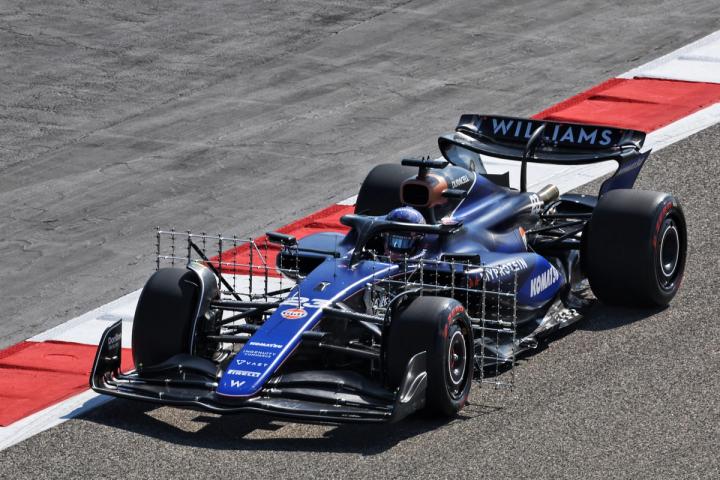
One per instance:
(268, 348)
(538, 280)
(542, 285)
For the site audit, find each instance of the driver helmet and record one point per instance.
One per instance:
(403, 244)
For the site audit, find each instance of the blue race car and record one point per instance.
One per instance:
(445, 275)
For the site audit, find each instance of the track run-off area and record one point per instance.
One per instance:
(257, 123)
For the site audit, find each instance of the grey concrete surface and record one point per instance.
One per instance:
(242, 116)
(238, 117)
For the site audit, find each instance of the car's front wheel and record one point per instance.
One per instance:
(163, 316)
(440, 327)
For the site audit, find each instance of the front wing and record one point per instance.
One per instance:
(316, 396)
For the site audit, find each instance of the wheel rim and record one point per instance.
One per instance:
(669, 250)
(669, 254)
(457, 359)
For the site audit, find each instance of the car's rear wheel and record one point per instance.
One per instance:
(634, 248)
(380, 191)
(163, 317)
(440, 327)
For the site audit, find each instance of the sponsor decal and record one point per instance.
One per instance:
(265, 345)
(455, 311)
(251, 363)
(521, 130)
(460, 181)
(536, 205)
(294, 313)
(112, 342)
(499, 271)
(543, 281)
(496, 272)
(244, 373)
(237, 383)
(305, 302)
(257, 353)
(661, 218)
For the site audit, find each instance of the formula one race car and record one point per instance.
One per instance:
(444, 276)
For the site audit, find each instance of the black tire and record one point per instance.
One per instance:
(436, 325)
(380, 192)
(162, 323)
(634, 248)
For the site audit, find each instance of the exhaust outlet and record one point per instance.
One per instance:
(549, 193)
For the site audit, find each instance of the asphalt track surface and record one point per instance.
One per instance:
(242, 116)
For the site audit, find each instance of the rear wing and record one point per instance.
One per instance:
(543, 141)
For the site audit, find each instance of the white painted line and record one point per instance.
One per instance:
(565, 177)
(88, 328)
(49, 417)
(349, 201)
(696, 62)
(683, 128)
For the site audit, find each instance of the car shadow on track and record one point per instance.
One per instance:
(602, 317)
(254, 432)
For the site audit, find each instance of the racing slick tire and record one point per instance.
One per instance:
(634, 248)
(163, 316)
(380, 191)
(440, 327)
